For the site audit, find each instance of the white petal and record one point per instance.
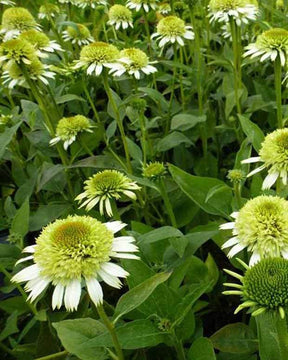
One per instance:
(72, 295)
(114, 270)
(255, 171)
(234, 240)
(99, 69)
(270, 180)
(38, 286)
(251, 160)
(57, 297)
(235, 250)
(124, 247)
(29, 249)
(235, 214)
(125, 256)
(109, 279)
(30, 257)
(227, 226)
(254, 258)
(29, 273)
(115, 226)
(95, 291)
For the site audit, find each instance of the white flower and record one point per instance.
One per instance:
(72, 252)
(132, 61)
(120, 16)
(89, 3)
(80, 36)
(48, 11)
(172, 29)
(139, 4)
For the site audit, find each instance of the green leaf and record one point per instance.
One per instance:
(46, 214)
(136, 296)
(213, 272)
(201, 349)
(68, 97)
(20, 223)
(49, 174)
(183, 122)
(155, 96)
(162, 233)
(235, 338)
(15, 303)
(199, 190)
(172, 140)
(75, 335)
(134, 150)
(6, 137)
(252, 131)
(10, 327)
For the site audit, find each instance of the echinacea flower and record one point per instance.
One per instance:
(119, 16)
(75, 251)
(274, 156)
(269, 45)
(16, 20)
(89, 3)
(164, 8)
(79, 35)
(261, 226)
(16, 50)
(139, 4)
(105, 186)
(172, 29)
(48, 11)
(242, 11)
(95, 56)
(40, 42)
(154, 170)
(13, 75)
(263, 287)
(132, 61)
(236, 176)
(69, 127)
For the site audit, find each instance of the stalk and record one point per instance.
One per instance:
(97, 117)
(110, 327)
(167, 203)
(278, 90)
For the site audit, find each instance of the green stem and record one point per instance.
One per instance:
(178, 347)
(118, 120)
(7, 350)
(54, 356)
(237, 192)
(143, 136)
(181, 80)
(167, 203)
(97, 117)
(110, 327)
(278, 90)
(146, 23)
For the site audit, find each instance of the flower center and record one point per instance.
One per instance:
(120, 13)
(137, 57)
(17, 18)
(267, 283)
(274, 39)
(274, 150)
(99, 52)
(71, 126)
(80, 33)
(226, 5)
(171, 26)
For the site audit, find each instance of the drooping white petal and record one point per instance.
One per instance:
(227, 226)
(72, 295)
(251, 160)
(124, 247)
(125, 256)
(254, 258)
(235, 250)
(57, 297)
(30, 257)
(270, 180)
(114, 270)
(232, 241)
(29, 273)
(29, 249)
(115, 226)
(38, 286)
(255, 171)
(109, 279)
(95, 291)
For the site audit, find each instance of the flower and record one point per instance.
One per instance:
(261, 226)
(172, 29)
(269, 45)
(16, 50)
(13, 74)
(138, 4)
(89, 3)
(274, 155)
(95, 56)
(164, 8)
(79, 35)
(68, 128)
(132, 61)
(48, 11)
(105, 186)
(263, 286)
(120, 16)
(40, 42)
(154, 170)
(240, 10)
(16, 20)
(75, 250)
(236, 176)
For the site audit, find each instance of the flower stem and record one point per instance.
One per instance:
(110, 327)
(90, 101)
(118, 120)
(146, 23)
(178, 347)
(278, 90)
(237, 193)
(143, 136)
(167, 203)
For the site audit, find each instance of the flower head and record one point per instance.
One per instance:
(105, 186)
(261, 226)
(89, 3)
(75, 250)
(172, 29)
(263, 286)
(97, 55)
(274, 155)
(269, 45)
(48, 11)
(16, 20)
(16, 50)
(40, 42)
(236, 176)
(120, 16)
(80, 35)
(242, 11)
(154, 170)
(13, 74)
(164, 8)
(68, 128)
(132, 61)
(139, 4)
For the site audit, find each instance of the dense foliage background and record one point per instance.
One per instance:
(189, 120)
